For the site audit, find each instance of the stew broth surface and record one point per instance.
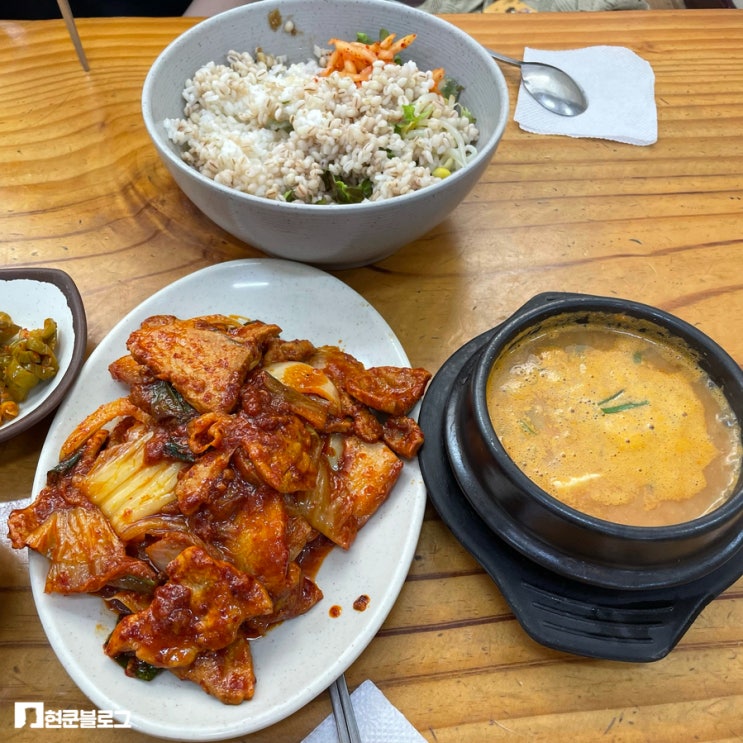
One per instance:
(616, 421)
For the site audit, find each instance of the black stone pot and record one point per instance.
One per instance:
(575, 582)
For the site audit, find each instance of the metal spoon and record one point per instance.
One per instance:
(550, 86)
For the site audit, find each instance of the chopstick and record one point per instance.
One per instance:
(64, 7)
(345, 718)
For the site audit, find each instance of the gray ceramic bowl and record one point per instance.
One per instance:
(334, 236)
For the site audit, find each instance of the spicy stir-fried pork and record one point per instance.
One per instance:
(198, 504)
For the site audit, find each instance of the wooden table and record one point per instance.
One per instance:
(82, 189)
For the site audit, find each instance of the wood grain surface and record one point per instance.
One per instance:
(81, 189)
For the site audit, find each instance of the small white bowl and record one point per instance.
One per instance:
(29, 296)
(337, 236)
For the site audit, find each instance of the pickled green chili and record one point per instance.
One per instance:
(27, 357)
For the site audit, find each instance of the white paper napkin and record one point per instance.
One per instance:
(620, 87)
(378, 720)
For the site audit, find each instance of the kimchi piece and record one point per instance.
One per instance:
(197, 503)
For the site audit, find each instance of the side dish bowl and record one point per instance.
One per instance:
(341, 235)
(29, 296)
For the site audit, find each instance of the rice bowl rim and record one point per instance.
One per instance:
(156, 129)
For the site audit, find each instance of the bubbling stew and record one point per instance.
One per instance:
(614, 417)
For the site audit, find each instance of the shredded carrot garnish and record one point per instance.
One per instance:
(438, 76)
(356, 59)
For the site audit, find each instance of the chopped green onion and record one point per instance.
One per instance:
(136, 668)
(624, 406)
(167, 402)
(610, 398)
(621, 407)
(178, 450)
(66, 465)
(527, 426)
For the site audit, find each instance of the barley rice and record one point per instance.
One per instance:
(271, 129)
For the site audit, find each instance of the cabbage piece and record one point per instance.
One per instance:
(86, 554)
(355, 477)
(124, 486)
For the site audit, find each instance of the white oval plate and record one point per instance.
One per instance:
(302, 657)
(29, 296)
